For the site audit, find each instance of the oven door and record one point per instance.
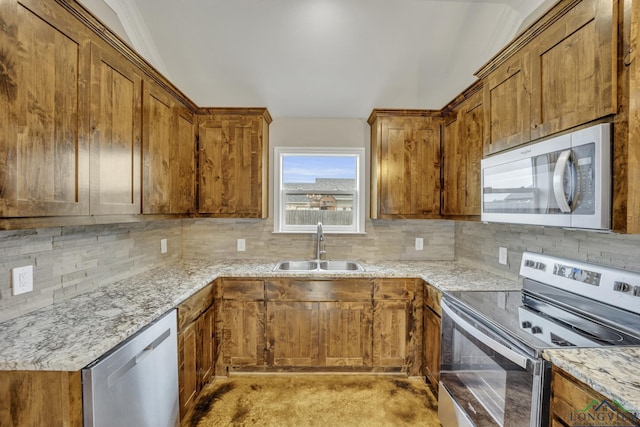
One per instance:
(485, 378)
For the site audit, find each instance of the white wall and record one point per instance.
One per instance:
(302, 132)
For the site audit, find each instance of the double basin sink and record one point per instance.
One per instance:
(318, 266)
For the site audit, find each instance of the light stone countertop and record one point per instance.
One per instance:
(614, 373)
(72, 334)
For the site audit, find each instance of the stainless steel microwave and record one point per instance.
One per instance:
(564, 181)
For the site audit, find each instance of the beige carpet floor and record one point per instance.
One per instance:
(315, 400)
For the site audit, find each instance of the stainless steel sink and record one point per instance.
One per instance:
(318, 266)
(339, 265)
(296, 266)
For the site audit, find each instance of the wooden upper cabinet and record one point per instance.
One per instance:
(234, 147)
(168, 151)
(507, 105)
(405, 170)
(44, 152)
(462, 139)
(116, 130)
(573, 68)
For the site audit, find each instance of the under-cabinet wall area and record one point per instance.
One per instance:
(385, 240)
(478, 243)
(69, 261)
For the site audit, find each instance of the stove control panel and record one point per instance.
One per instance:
(616, 287)
(552, 333)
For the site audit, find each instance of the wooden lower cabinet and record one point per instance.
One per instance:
(40, 398)
(319, 323)
(397, 324)
(241, 332)
(345, 333)
(573, 403)
(432, 336)
(292, 333)
(196, 346)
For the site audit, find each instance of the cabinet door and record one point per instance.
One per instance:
(432, 326)
(206, 346)
(243, 334)
(44, 150)
(168, 154)
(390, 333)
(471, 135)
(453, 161)
(116, 127)
(507, 105)
(345, 333)
(292, 329)
(233, 154)
(409, 168)
(574, 68)
(187, 367)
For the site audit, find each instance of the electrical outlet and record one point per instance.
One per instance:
(419, 244)
(22, 279)
(241, 245)
(163, 246)
(502, 255)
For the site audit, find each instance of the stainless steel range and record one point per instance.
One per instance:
(492, 370)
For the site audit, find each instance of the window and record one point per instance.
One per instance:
(315, 185)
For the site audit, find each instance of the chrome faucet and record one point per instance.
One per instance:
(321, 252)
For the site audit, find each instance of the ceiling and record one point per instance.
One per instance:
(318, 58)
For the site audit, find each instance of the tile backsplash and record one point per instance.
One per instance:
(72, 260)
(478, 243)
(215, 239)
(68, 261)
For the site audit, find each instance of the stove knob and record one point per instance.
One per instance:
(536, 330)
(636, 291)
(526, 325)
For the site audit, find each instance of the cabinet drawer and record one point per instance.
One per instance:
(195, 305)
(395, 288)
(245, 290)
(319, 290)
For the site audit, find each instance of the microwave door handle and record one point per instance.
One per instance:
(558, 181)
(501, 349)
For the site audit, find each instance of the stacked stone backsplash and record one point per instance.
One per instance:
(215, 239)
(68, 261)
(477, 244)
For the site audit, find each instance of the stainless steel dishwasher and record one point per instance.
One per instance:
(136, 384)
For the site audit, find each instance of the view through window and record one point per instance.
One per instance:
(317, 186)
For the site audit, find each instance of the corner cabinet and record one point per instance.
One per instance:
(397, 325)
(233, 161)
(196, 346)
(168, 154)
(432, 336)
(462, 139)
(405, 164)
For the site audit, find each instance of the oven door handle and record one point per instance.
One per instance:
(499, 348)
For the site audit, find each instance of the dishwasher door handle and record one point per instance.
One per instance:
(138, 358)
(499, 348)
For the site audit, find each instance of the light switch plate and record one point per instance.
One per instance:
(502, 255)
(22, 279)
(163, 246)
(419, 244)
(241, 245)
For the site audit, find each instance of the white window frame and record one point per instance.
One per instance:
(359, 193)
